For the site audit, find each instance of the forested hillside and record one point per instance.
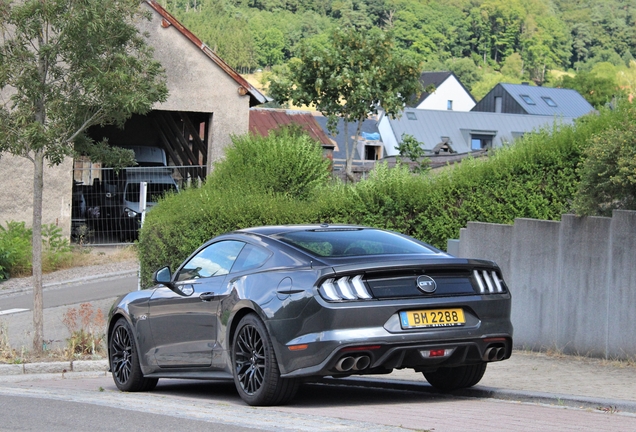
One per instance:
(482, 41)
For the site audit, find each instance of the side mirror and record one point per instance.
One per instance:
(164, 277)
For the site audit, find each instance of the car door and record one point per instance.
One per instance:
(183, 324)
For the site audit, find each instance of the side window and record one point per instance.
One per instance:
(251, 257)
(215, 260)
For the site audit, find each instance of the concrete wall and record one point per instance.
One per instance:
(16, 192)
(573, 282)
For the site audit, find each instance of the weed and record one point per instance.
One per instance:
(7, 354)
(86, 328)
(608, 409)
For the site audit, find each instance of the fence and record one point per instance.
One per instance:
(573, 282)
(105, 207)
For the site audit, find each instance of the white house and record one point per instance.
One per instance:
(443, 91)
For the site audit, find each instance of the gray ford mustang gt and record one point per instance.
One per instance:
(271, 307)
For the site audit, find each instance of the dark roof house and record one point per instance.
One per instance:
(527, 99)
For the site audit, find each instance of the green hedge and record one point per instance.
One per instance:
(283, 183)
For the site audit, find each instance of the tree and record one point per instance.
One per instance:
(66, 65)
(597, 90)
(348, 78)
(411, 148)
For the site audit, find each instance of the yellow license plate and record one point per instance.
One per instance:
(432, 318)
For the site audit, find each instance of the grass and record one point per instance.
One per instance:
(83, 256)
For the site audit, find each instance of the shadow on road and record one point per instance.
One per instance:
(324, 394)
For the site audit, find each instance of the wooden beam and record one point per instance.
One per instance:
(178, 134)
(196, 139)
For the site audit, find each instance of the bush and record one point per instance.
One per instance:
(287, 162)
(16, 251)
(608, 172)
(534, 178)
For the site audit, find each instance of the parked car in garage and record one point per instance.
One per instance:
(271, 307)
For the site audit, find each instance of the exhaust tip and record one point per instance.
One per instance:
(501, 352)
(345, 364)
(361, 363)
(495, 353)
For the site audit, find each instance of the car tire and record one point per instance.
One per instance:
(453, 378)
(124, 360)
(256, 373)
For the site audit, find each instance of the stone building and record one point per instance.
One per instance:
(208, 102)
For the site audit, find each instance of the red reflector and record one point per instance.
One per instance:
(437, 353)
(495, 339)
(362, 348)
(298, 347)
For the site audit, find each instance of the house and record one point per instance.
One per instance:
(527, 99)
(443, 91)
(208, 102)
(461, 132)
(264, 120)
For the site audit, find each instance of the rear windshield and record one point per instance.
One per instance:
(342, 242)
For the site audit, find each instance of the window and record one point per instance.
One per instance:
(214, 260)
(352, 241)
(372, 152)
(527, 99)
(410, 115)
(498, 104)
(549, 101)
(480, 142)
(250, 257)
(449, 105)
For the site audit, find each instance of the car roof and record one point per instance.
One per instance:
(281, 229)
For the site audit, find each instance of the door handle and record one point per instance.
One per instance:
(207, 296)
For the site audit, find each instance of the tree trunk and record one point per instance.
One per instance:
(349, 152)
(38, 306)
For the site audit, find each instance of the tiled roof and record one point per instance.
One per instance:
(263, 120)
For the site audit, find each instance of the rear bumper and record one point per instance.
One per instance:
(486, 336)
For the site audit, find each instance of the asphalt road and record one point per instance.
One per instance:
(68, 294)
(23, 413)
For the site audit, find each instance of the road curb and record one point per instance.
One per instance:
(54, 367)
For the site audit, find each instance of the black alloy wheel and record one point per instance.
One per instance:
(256, 374)
(124, 361)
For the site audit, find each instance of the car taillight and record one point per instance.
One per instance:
(344, 288)
(488, 282)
